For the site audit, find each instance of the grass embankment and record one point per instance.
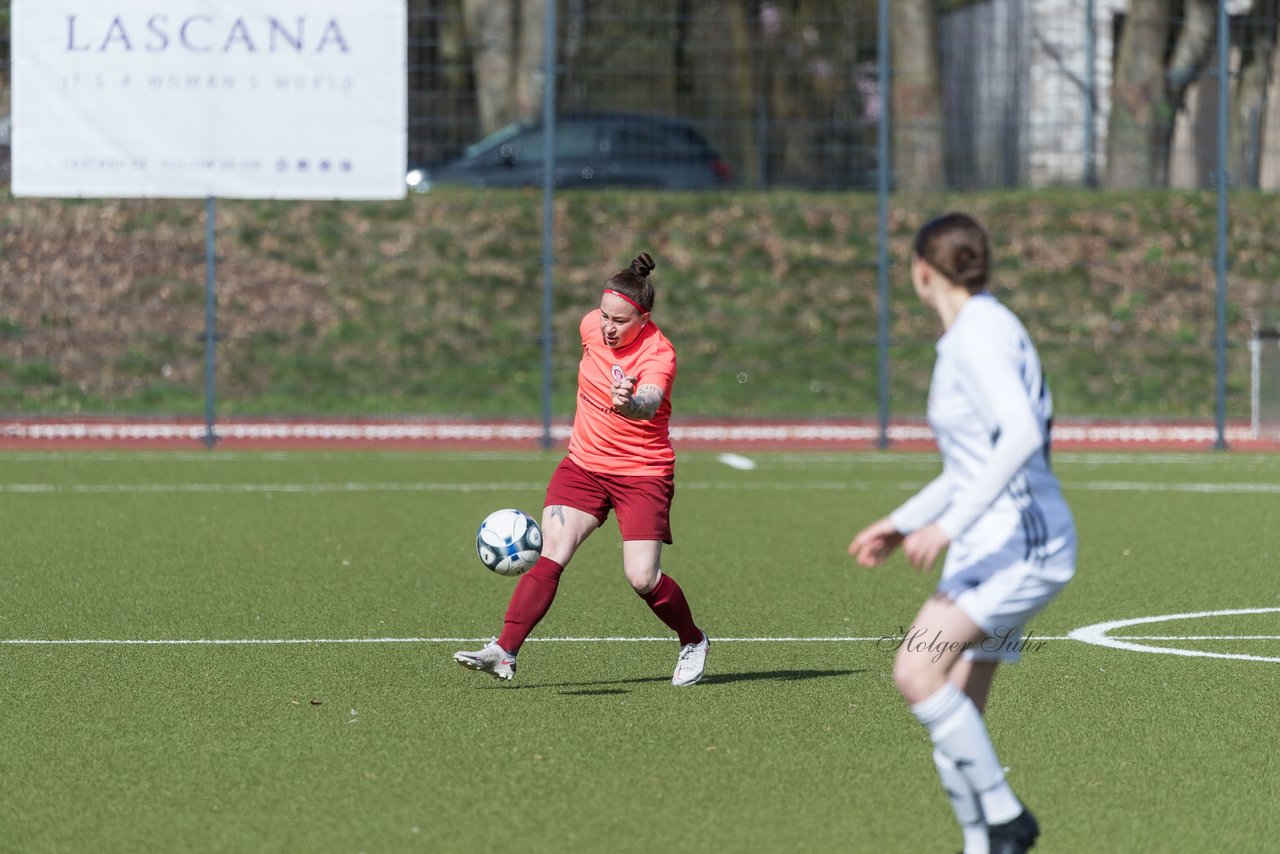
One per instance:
(432, 305)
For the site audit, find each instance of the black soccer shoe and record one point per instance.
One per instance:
(1015, 836)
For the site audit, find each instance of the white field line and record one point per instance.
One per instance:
(424, 640)
(852, 485)
(1215, 488)
(298, 488)
(1099, 634)
(1193, 637)
(737, 461)
(430, 640)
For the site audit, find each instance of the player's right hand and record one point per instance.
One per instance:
(621, 390)
(874, 543)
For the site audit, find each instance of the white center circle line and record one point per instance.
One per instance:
(1098, 634)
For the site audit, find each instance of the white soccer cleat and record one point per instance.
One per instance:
(692, 662)
(493, 659)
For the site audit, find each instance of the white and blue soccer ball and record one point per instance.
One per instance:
(509, 541)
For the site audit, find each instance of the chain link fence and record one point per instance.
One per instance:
(738, 143)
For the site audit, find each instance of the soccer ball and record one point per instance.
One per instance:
(509, 541)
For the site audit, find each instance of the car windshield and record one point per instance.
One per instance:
(499, 136)
(573, 140)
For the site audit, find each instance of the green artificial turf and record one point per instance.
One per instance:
(330, 744)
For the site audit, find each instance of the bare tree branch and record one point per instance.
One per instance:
(1052, 51)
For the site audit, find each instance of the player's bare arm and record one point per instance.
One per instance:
(640, 405)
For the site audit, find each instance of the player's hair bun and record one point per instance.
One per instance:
(956, 245)
(970, 268)
(643, 265)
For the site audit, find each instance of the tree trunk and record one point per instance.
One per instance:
(915, 97)
(530, 62)
(490, 34)
(1249, 104)
(1139, 106)
(743, 39)
(683, 50)
(441, 104)
(1195, 44)
(1194, 47)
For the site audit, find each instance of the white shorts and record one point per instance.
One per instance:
(1001, 597)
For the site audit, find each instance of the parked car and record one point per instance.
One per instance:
(591, 150)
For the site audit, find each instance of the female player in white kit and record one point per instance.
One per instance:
(998, 512)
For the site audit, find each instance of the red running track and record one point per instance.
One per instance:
(427, 434)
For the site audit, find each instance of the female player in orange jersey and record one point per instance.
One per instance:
(620, 458)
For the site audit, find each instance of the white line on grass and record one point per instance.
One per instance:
(297, 488)
(1066, 458)
(737, 461)
(1198, 637)
(755, 486)
(1099, 634)
(1129, 486)
(285, 641)
(429, 640)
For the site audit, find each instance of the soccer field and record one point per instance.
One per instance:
(250, 652)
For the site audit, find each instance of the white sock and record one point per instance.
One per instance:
(964, 803)
(957, 731)
(976, 839)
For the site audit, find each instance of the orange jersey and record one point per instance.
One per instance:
(605, 441)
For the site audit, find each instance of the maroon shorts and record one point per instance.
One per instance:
(643, 504)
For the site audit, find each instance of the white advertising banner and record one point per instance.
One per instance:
(300, 99)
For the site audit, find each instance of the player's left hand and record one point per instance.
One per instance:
(922, 547)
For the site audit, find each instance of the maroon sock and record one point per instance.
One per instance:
(529, 603)
(666, 599)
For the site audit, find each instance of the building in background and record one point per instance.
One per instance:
(1027, 90)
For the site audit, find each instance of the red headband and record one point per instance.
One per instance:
(639, 307)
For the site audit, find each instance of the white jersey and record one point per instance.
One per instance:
(991, 413)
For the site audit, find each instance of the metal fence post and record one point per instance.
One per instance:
(1090, 95)
(882, 220)
(1220, 395)
(548, 208)
(210, 321)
